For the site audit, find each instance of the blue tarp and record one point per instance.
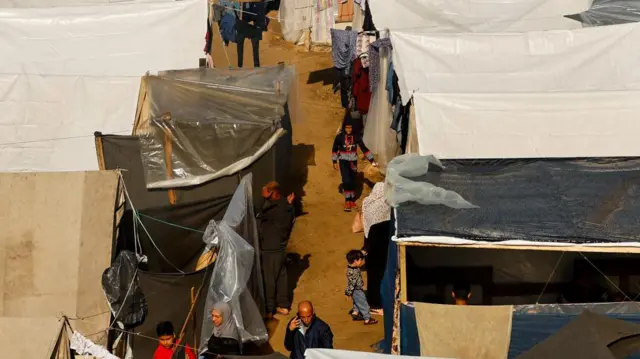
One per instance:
(388, 288)
(527, 330)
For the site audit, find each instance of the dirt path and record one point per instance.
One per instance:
(322, 236)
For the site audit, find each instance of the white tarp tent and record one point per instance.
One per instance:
(70, 71)
(347, 354)
(59, 3)
(597, 59)
(528, 125)
(475, 15)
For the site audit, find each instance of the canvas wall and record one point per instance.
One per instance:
(70, 71)
(57, 232)
(590, 59)
(528, 125)
(475, 15)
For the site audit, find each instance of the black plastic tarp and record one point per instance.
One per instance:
(169, 299)
(549, 200)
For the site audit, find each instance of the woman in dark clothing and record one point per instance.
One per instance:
(224, 340)
(345, 158)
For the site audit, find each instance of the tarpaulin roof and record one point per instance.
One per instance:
(540, 202)
(198, 125)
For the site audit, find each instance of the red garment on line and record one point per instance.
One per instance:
(361, 90)
(164, 353)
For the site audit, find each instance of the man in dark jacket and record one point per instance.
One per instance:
(275, 220)
(306, 331)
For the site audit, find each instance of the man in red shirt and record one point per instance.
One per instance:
(167, 344)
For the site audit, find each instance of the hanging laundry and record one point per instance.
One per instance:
(84, 346)
(343, 47)
(374, 60)
(368, 19)
(361, 4)
(208, 37)
(230, 6)
(361, 91)
(228, 28)
(363, 41)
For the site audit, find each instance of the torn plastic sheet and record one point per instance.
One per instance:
(399, 188)
(192, 131)
(233, 269)
(609, 12)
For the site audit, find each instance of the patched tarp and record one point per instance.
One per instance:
(587, 201)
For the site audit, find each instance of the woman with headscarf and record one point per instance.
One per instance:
(376, 215)
(345, 159)
(224, 340)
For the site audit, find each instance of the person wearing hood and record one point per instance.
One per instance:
(275, 221)
(345, 159)
(224, 340)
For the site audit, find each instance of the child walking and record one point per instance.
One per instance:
(345, 159)
(355, 288)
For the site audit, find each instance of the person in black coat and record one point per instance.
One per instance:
(275, 221)
(306, 331)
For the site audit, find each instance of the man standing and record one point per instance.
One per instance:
(306, 331)
(275, 220)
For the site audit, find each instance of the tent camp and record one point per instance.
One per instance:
(201, 132)
(521, 232)
(83, 63)
(55, 244)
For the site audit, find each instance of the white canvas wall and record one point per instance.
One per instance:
(597, 59)
(528, 125)
(67, 72)
(476, 15)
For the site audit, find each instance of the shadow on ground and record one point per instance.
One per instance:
(302, 156)
(296, 265)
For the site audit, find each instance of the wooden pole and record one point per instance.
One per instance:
(168, 150)
(99, 150)
(189, 315)
(195, 324)
(403, 272)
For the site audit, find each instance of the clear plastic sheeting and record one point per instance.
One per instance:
(475, 15)
(600, 308)
(399, 188)
(609, 12)
(196, 126)
(233, 269)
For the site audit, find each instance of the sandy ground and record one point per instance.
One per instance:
(323, 235)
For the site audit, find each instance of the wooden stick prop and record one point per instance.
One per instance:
(168, 150)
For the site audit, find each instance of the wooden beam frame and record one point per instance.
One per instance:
(497, 245)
